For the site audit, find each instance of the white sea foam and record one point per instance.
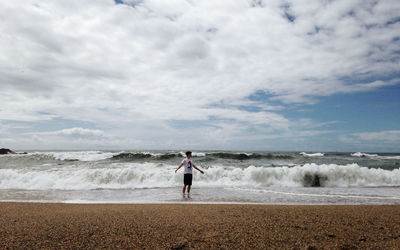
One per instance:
(312, 154)
(331, 175)
(79, 155)
(359, 154)
(194, 154)
(389, 157)
(152, 175)
(116, 176)
(384, 157)
(198, 154)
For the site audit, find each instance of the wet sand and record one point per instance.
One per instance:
(184, 226)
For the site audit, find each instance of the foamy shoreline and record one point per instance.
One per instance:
(230, 177)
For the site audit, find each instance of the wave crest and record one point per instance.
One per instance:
(311, 154)
(144, 156)
(359, 154)
(248, 156)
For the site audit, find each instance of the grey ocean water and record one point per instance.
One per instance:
(230, 177)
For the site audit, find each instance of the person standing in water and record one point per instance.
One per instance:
(188, 172)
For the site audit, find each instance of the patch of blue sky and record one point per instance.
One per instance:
(264, 97)
(357, 112)
(375, 110)
(287, 13)
(290, 17)
(257, 3)
(393, 21)
(132, 3)
(249, 108)
(370, 77)
(260, 97)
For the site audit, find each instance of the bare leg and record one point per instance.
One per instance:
(184, 189)
(189, 186)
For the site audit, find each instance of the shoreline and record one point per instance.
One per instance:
(194, 203)
(184, 225)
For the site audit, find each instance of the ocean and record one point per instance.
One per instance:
(230, 177)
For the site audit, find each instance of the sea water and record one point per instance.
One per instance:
(230, 177)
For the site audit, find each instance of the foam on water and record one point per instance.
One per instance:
(194, 154)
(152, 175)
(312, 154)
(79, 155)
(148, 176)
(135, 155)
(359, 154)
(391, 157)
(331, 175)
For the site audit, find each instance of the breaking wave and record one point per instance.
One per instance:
(80, 155)
(359, 154)
(144, 156)
(376, 156)
(211, 155)
(311, 154)
(127, 156)
(153, 175)
(248, 156)
(137, 156)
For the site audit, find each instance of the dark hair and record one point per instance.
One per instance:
(188, 153)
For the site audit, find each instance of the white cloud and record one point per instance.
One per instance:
(78, 132)
(386, 140)
(134, 68)
(387, 135)
(70, 138)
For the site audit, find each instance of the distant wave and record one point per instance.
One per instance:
(359, 154)
(390, 157)
(248, 156)
(80, 155)
(144, 155)
(195, 154)
(151, 175)
(384, 157)
(88, 156)
(212, 155)
(312, 154)
(138, 156)
(66, 155)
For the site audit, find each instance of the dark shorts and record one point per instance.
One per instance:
(187, 179)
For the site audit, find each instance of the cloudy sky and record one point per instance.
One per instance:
(210, 74)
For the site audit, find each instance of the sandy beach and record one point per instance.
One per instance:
(179, 226)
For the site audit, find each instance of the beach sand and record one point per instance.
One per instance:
(180, 226)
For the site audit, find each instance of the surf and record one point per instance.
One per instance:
(155, 175)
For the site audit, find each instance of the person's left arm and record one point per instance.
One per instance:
(201, 171)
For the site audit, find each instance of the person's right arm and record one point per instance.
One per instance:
(180, 165)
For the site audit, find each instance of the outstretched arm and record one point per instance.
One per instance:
(201, 171)
(180, 165)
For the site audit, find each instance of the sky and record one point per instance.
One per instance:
(271, 75)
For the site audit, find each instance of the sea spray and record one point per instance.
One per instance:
(153, 175)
